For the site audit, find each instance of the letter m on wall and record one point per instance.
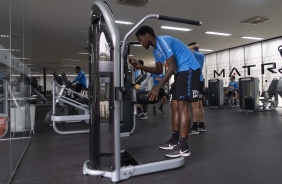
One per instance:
(219, 74)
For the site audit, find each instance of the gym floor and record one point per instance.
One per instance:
(237, 148)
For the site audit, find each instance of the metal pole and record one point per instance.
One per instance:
(44, 81)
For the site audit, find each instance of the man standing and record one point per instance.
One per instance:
(201, 59)
(178, 58)
(80, 81)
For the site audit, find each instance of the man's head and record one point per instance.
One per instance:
(232, 78)
(145, 35)
(194, 46)
(77, 69)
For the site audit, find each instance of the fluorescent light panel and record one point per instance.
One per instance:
(130, 55)
(176, 28)
(83, 53)
(123, 22)
(4, 36)
(217, 33)
(71, 60)
(68, 65)
(251, 38)
(137, 45)
(205, 50)
(14, 50)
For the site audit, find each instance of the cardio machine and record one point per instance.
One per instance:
(108, 160)
(66, 109)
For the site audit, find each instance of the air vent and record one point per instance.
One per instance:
(137, 3)
(256, 20)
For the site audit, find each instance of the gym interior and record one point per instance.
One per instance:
(52, 133)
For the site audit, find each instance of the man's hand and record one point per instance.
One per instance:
(135, 63)
(154, 94)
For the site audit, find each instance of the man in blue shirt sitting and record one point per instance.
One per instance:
(180, 61)
(232, 89)
(80, 81)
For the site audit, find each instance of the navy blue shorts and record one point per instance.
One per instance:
(186, 86)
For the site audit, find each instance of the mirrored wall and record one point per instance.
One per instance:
(16, 109)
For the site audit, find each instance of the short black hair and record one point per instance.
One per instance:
(233, 77)
(78, 67)
(192, 43)
(145, 29)
(141, 62)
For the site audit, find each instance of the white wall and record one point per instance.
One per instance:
(254, 54)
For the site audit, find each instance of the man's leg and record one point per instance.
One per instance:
(154, 109)
(201, 126)
(163, 100)
(196, 114)
(182, 149)
(144, 115)
(174, 122)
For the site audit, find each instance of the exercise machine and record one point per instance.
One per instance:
(269, 98)
(215, 93)
(249, 94)
(65, 109)
(108, 160)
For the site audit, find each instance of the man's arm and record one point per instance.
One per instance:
(157, 70)
(171, 65)
(77, 78)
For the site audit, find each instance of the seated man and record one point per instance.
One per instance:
(80, 81)
(143, 86)
(232, 89)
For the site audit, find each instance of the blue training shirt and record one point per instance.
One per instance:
(157, 78)
(166, 46)
(201, 59)
(81, 79)
(234, 84)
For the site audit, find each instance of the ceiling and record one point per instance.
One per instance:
(59, 27)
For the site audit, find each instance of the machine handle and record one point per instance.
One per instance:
(280, 48)
(180, 20)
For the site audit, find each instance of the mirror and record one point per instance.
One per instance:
(15, 90)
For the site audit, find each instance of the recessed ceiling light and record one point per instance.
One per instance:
(205, 50)
(13, 50)
(4, 36)
(123, 22)
(130, 55)
(20, 58)
(176, 28)
(71, 60)
(217, 33)
(251, 38)
(83, 53)
(68, 65)
(137, 45)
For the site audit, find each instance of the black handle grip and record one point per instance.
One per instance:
(180, 20)
(280, 47)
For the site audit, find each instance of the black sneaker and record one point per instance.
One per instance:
(140, 114)
(177, 151)
(195, 129)
(154, 112)
(143, 116)
(168, 145)
(202, 128)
